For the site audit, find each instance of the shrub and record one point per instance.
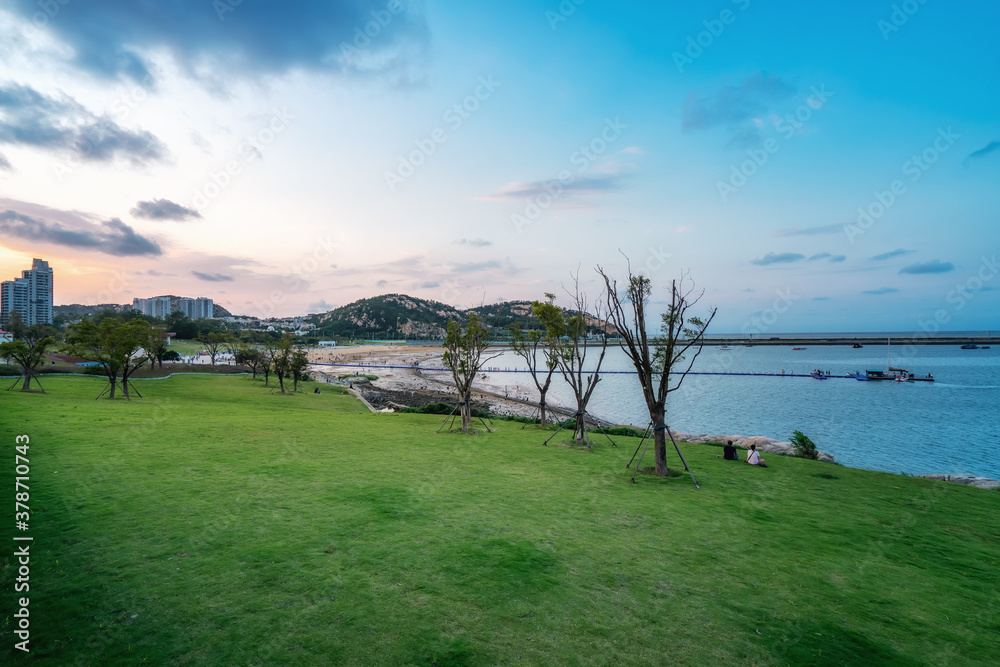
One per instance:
(804, 447)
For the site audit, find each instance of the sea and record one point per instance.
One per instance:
(951, 425)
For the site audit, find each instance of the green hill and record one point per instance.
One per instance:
(213, 522)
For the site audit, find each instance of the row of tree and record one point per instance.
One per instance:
(565, 342)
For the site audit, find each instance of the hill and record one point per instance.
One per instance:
(399, 315)
(304, 530)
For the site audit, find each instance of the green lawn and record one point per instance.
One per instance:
(215, 523)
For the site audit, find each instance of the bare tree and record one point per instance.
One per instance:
(526, 344)
(658, 359)
(463, 355)
(570, 348)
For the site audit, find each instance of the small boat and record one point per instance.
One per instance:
(724, 347)
(902, 378)
(798, 348)
(970, 346)
(819, 375)
(857, 346)
(878, 375)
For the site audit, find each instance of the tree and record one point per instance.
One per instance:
(156, 345)
(657, 358)
(215, 342)
(15, 325)
(115, 345)
(280, 354)
(804, 447)
(250, 356)
(526, 345)
(298, 366)
(464, 348)
(569, 350)
(29, 352)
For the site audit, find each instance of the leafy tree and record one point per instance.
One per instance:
(115, 345)
(658, 359)
(170, 355)
(804, 447)
(464, 348)
(569, 350)
(28, 351)
(156, 345)
(182, 325)
(215, 342)
(281, 354)
(250, 356)
(15, 325)
(298, 366)
(526, 344)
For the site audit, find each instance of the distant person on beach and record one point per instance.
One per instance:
(729, 452)
(753, 457)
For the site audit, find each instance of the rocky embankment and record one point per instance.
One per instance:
(765, 445)
(967, 479)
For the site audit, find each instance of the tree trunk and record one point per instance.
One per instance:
(581, 424)
(658, 415)
(114, 380)
(27, 380)
(466, 411)
(541, 408)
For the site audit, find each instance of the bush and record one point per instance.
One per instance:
(804, 447)
(443, 409)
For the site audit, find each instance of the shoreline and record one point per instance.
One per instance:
(407, 385)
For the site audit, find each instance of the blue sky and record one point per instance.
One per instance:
(813, 166)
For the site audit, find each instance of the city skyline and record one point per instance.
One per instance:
(814, 168)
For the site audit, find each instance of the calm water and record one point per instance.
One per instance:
(951, 425)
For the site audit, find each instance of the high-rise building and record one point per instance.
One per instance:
(160, 307)
(30, 295)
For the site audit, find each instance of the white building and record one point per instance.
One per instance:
(30, 295)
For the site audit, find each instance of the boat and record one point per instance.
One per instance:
(878, 375)
(819, 375)
(798, 348)
(970, 346)
(857, 346)
(724, 347)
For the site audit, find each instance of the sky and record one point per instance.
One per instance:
(822, 166)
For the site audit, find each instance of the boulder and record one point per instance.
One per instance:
(966, 479)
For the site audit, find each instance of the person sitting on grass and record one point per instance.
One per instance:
(729, 452)
(753, 457)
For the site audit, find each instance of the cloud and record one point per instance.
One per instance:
(821, 298)
(321, 306)
(429, 284)
(783, 258)
(828, 256)
(933, 266)
(111, 237)
(29, 118)
(881, 290)
(5, 163)
(833, 228)
(582, 186)
(984, 151)
(211, 277)
(114, 39)
(892, 253)
(479, 243)
(163, 209)
(382, 283)
(633, 150)
(733, 105)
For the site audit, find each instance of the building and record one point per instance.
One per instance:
(161, 306)
(30, 295)
(157, 306)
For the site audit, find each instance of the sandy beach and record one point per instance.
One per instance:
(409, 384)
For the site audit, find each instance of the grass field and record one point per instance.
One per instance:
(215, 523)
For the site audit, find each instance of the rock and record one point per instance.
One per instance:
(966, 479)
